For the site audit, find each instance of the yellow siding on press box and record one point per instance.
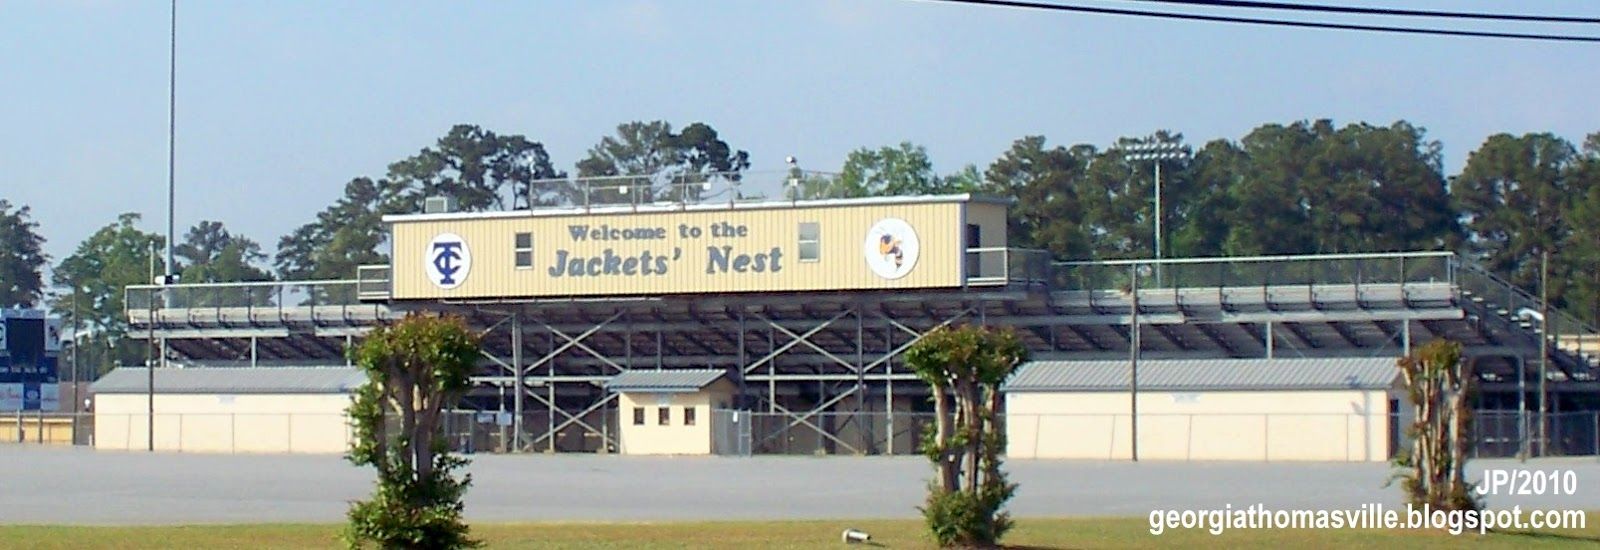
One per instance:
(841, 265)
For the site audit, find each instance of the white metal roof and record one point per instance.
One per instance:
(1208, 375)
(259, 380)
(766, 204)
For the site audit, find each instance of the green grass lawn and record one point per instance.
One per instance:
(1029, 533)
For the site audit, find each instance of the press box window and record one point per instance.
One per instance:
(638, 416)
(664, 416)
(524, 250)
(810, 241)
(688, 416)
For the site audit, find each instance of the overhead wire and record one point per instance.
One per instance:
(1273, 22)
(1249, 4)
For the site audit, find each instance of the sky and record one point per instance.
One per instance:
(280, 103)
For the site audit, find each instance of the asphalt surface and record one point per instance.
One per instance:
(58, 485)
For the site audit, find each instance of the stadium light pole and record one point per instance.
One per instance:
(1157, 152)
(172, 139)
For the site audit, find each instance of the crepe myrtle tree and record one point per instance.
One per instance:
(1439, 387)
(965, 367)
(415, 368)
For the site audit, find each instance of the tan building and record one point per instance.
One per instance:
(227, 410)
(669, 412)
(1336, 409)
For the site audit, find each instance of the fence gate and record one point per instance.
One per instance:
(730, 432)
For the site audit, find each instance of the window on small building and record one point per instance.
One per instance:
(688, 416)
(664, 416)
(810, 241)
(638, 416)
(524, 250)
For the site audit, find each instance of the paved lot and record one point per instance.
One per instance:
(82, 486)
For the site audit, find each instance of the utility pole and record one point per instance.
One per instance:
(1133, 361)
(1544, 350)
(150, 358)
(76, 395)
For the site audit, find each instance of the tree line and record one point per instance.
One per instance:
(1298, 188)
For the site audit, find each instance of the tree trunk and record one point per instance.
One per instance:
(406, 392)
(427, 430)
(941, 407)
(974, 431)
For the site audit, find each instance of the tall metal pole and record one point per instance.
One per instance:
(1522, 408)
(517, 374)
(150, 373)
(172, 136)
(1544, 348)
(1133, 363)
(75, 394)
(1158, 222)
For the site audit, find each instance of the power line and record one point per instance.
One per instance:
(1379, 11)
(1272, 22)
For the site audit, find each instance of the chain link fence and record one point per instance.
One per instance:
(1495, 433)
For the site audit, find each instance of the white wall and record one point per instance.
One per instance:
(673, 438)
(1349, 425)
(292, 423)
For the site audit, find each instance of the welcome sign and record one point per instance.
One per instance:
(731, 250)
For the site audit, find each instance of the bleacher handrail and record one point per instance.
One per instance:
(1261, 259)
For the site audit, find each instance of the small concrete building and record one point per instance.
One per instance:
(227, 410)
(1336, 409)
(669, 412)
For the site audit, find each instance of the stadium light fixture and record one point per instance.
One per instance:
(1157, 152)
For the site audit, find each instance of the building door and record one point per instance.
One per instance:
(974, 261)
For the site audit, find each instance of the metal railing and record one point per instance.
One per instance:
(1561, 329)
(1001, 266)
(264, 296)
(373, 282)
(981, 267)
(1257, 271)
(684, 188)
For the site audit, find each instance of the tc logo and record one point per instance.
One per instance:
(447, 260)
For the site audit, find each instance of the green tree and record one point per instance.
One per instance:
(1269, 217)
(345, 235)
(968, 179)
(656, 162)
(415, 369)
(888, 171)
(1309, 187)
(1511, 194)
(482, 170)
(22, 258)
(1377, 189)
(210, 254)
(1201, 215)
(1119, 207)
(1047, 183)
(101, 268)
(1580, 253)
(965, 367)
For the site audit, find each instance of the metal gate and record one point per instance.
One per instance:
(730, 432)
